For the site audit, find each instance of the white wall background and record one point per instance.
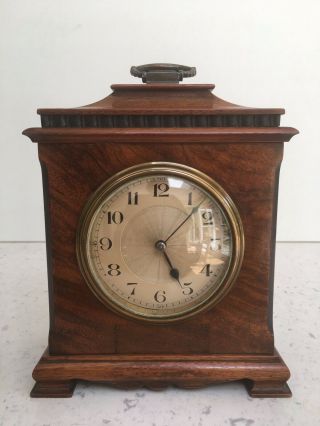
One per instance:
(66, 53)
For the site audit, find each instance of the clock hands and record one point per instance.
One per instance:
(174, 272)
(193, 211)
(161, 245)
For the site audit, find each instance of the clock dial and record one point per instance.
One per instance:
(160, 243)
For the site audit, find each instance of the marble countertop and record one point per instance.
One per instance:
(24, 329)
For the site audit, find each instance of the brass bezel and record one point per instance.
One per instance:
(171, 169)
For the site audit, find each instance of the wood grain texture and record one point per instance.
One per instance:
(165, 136)
(231, 341)
(81, 324)
(168, 99)
(161, 106)
(265, 376)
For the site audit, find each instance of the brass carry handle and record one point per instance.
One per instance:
(162, 73)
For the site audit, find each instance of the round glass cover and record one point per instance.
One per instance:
(160, 242)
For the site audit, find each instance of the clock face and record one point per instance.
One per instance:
(160, 242)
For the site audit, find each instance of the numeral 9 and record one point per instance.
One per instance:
(105, 243)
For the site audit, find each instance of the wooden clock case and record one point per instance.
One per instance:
(240, 148)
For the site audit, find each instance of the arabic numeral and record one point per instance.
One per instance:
(207, 217)
(105, 243)
(159, 190)
(207, 270)
(114, 270)
(115, 217)
(160, 296)
(133, 288)
(188, 290)
(133, 198)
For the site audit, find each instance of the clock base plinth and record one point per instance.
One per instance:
(264, 375)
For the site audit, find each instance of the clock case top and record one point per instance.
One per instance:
(161, 105)
(239, 147)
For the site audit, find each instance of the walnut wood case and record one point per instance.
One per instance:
(240, 148)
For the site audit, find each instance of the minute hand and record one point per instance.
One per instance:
(193, 211)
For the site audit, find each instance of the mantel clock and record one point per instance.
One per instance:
(160, 208)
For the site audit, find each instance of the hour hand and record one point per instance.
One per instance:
(174, 272)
